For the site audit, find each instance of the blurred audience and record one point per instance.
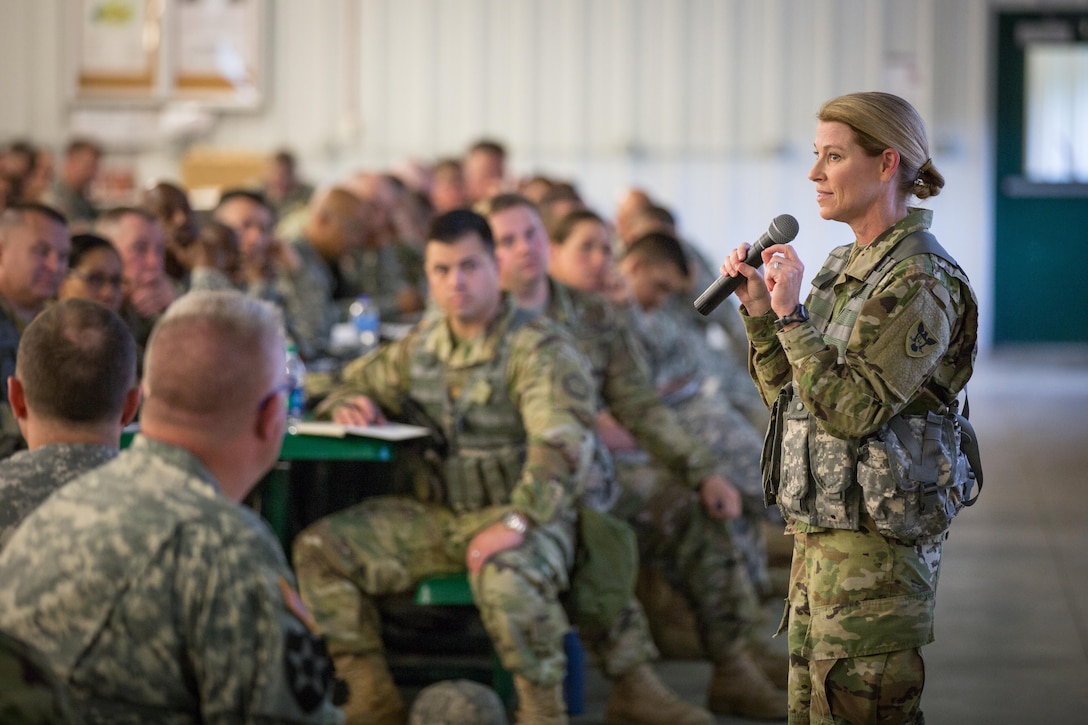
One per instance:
(71, 189)
(94, 272)
(287, 195)
(138, 238)
(484, 167)
(169, 203)
(447, 186)
(34, 248)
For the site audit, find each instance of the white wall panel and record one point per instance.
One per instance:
(709, 104)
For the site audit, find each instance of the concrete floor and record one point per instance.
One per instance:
(1012, 609)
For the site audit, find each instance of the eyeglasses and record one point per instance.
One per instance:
(97, 280)
(283, 388)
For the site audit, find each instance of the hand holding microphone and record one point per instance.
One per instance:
(782, 231)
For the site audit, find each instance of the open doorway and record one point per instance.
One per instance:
(1041, 195)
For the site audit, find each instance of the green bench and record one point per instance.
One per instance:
(454, 590)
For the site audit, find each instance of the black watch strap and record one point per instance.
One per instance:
(799, 314)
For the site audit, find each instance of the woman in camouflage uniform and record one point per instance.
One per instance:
(891, 332)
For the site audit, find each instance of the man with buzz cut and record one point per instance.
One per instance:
(73, 390)
(153, 593)
(514, 402)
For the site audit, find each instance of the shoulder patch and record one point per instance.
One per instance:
(919, 340)
(307, 668)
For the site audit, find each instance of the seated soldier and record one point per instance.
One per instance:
(682, 510)
(727, 358)
(139, 240)
(270, 268)
(73, 390)
(94, 272)
(514, 401)
(34, 248)
(170, 205)
(655, 270)
(336, 249)
(388, 265)
(152, 592)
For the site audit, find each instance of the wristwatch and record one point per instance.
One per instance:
(799, 314)
(515, 522)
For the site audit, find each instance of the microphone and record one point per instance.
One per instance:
(782, 231)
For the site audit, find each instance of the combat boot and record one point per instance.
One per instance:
(639, 697)
(739, 687)
(539, 704)
(372, 698)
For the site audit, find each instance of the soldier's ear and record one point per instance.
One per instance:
(16, 398)
(268, 425)
(131, 404)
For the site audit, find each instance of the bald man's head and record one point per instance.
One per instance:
(214, 356)
(337, 222)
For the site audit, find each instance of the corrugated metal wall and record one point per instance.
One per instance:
(707, 103)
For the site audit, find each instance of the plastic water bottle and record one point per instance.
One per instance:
(296, 396)
(365, 317)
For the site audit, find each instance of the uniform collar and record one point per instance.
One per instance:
(864, 260)
(178, 457)
(445, 346)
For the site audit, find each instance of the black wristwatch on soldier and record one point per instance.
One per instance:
(799, 314)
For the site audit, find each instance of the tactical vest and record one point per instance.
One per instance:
(483, 429)
(822, 480)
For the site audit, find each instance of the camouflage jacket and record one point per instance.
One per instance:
(11, 438)
(546, 379)
(157, 599)
(32, 694)
(377, 273)
(883, 369)
(28, 477)
(622, 377)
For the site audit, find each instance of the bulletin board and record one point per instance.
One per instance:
(157, 51)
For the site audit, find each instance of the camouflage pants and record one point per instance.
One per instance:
(697, 554)
(387, 545)
(860, 608)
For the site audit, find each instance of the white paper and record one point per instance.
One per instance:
(386, 432)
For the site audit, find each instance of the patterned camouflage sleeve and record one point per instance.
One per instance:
(632, 399)
(380, 376)
(767, 362)
(307, 300)
(901, 335)
(32, 693)
(902, 332)
(256, 655)
(551, 383)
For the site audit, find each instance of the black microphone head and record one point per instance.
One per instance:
(783, 229)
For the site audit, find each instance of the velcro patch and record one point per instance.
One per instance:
(919, 340)
(308, 668)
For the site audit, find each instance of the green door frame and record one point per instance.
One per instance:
(1040, 230)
